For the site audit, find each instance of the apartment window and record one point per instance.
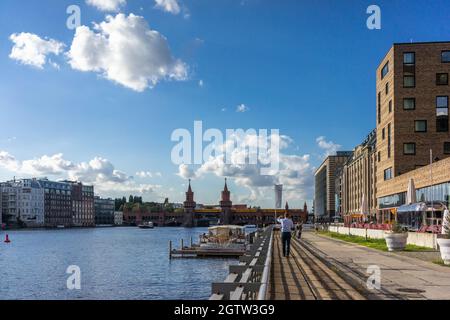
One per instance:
(442, 79)
(442, 114)
(409, 148)
(409, 58)
(390, 106)
(382, 134)
(420, 126)
(446, 147)
(409, 103)
(379, 156)
(387, 88)
(409, 81)
(385, 70)
(379, 107)
(388, 174)
(445, 56)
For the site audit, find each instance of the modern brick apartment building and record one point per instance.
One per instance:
(324, 177)
(412, 108)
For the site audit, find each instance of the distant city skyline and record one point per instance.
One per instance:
(76, 106)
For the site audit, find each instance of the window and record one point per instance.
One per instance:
(442, 79)
(442, 114)
(446, 147)
(409, 81)
(409, 58)
(379, 156)
(409, 103)
(409, 148)
(388, 174)
(387, 88)
(420, 126)
(390, 106)
(445, 56)
(382, 134)
(385, 70)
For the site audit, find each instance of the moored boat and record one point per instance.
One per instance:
(146, 225)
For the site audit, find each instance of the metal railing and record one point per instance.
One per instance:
(249, 279)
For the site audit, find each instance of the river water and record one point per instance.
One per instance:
(115, 263)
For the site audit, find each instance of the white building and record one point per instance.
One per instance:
(118, 218)
(23, 202)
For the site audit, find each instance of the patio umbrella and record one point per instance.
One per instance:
(445, 217)
(411, 192)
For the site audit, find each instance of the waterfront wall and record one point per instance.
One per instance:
(428, 240)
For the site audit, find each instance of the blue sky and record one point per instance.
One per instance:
(304, 67)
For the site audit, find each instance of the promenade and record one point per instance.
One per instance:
(321, 268)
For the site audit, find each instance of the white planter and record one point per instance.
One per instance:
(444, 247)
(396, 241)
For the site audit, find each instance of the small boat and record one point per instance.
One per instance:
(146, 225)
(61, 226)
(224, 238)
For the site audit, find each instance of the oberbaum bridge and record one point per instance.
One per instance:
(224, 214)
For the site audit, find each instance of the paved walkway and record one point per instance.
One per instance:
(401, 275)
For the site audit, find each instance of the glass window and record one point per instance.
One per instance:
(379, 107)
(445, 56)
(409, 103)
(385, 70)
(409, 81)
(409, 148)
(388, 174)
(442, 102)
(382, 134)
(390, 106)
(420, 125)
(409, 58)
(447, 147)
(442, 79)
(387, 88)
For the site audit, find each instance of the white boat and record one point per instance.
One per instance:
(61, 226)
(146, 225)
(227, 237)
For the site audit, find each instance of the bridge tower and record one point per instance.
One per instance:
(225, 205)
(189, 208)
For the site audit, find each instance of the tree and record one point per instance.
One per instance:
(131, 199)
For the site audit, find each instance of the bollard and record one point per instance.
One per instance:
(170, 249)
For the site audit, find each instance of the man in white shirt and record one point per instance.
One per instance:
(286, 227)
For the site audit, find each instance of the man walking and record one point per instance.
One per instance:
(286, 228)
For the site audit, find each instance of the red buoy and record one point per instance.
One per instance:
(7, 239)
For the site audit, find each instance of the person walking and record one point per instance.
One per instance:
(299, 229)
(286, 228)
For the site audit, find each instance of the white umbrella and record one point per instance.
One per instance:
(411, 192)
(444, 221)
(364, 206)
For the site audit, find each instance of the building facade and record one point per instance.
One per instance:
(118, 218)
(356, 180)
(325, 184)
(412, 108)
(57, 203)
(104, 211)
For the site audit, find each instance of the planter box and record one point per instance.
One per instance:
(396, 241)
(444, 247)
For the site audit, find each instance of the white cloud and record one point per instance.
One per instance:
(170, 6)
(125, 50)
(295, 173)
(148, 174)
(185, 171)
(99, 172)
(242, 108)
(30, 49)
(328, 146)
(107, 5)
(200, 83)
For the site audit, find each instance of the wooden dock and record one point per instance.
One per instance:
(196, 251)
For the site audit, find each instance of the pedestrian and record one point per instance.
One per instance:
(286, 232)
(299, 229)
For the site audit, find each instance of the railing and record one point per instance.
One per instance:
(249, 279)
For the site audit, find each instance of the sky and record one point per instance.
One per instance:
(100, 102)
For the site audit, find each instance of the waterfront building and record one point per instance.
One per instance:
(9, 203)
(118, 218)
(104, 211)
(324, 181)
(57, 203)
(412, 108)
(356, 181)
(412, 119)
(82, 202)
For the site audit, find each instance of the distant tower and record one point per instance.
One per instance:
(305, 209)
(286, 208)
(225, 204)
(189, 208)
